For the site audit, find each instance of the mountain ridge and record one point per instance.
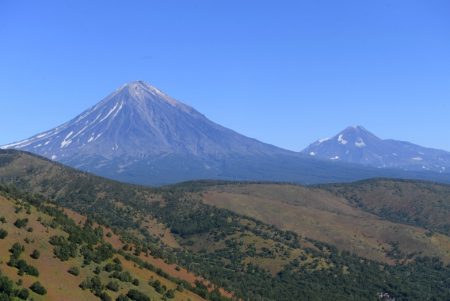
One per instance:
(139, 134)
(355, 144)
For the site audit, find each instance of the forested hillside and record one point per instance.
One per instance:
(47, 255)
(239, 256)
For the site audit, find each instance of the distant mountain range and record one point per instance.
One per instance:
(139, 134)
(357, 145)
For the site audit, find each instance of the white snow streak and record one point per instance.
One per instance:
(323, 140)
(65, 143)
(96, 118)
(19, 144)
(109, 113)
(118, 110)
(42, 135)
(98, 136)
(82, 130)
(68, 135)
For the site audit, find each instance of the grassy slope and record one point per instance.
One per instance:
(324, 216)
(97, 197)
(166, 237)
(53, 272)
(412, 202)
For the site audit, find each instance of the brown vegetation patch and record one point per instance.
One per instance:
(322, 216)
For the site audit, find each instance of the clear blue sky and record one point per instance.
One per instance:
(284, 72)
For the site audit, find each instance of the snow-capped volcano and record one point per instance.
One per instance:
(138, 120)
(136, 128)
(357, 145)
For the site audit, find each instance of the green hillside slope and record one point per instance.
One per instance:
(252, 259)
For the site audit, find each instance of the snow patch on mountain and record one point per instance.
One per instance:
(342, 140)
(360, 143)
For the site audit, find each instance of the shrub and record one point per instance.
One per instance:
(16, 250)
(122, 276)
(158, 287)
(23, 267)
(3, 233)
(137, 295)
(36, 254)
(74, 271)
(122, 298)
(6, 285)
(38, 288)
(21, 223)
(94, 284)
(23, 294)
(109, 267)
(103, 296)
(113, 286)
(97, 270)
(170, 294)
(85, 284)
(31, 270)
